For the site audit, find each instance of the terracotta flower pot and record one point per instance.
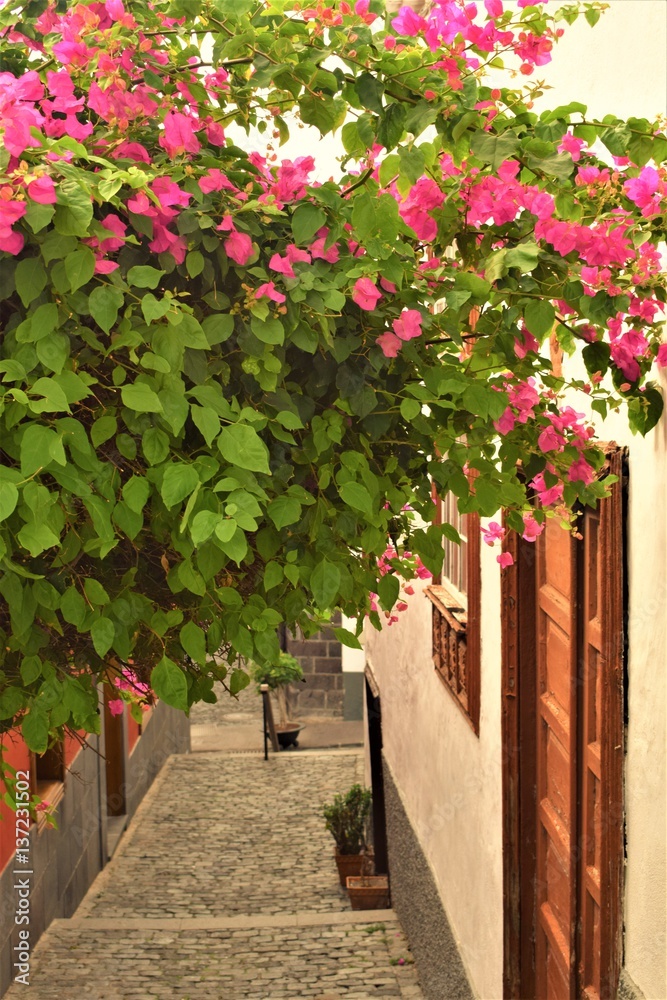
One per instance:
(368, 892)
(349, 864)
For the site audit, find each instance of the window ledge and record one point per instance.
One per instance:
(448, 606)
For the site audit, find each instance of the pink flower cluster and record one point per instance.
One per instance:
(451, 23)
(384, 566)
(134, 690)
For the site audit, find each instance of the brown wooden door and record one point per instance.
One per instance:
(563, 651)
(557, 643)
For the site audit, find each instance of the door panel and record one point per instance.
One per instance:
(556, 762)
(563, 728)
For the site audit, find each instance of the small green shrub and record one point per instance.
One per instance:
(347, 819)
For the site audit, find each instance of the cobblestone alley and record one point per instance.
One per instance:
(224, 887)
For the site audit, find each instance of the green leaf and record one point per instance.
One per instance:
(30, 278)
(242, 446)
(525, 257)
(136, 492)
(103, 634)
(235, 547)
(36, 537)
(9, 497)
(153, 308)
(306, 220)
(74, 212)
(43, 321)
(347, 638)
(370, 91)
(218, 328)
(357, 496)
(95, 592)
(392, 126)
(155, 445)
(104, 303)
(540, 317)
(284, 510)
(178, 483)
(324, 584)
(273, 575)
(35, 731)
(410, 408)
(80, 267)
(169, 684)
(103, 429)
(388, 590)
(141, 398)
(494, 149)
(31, 669)
(193, 641)
(194, 263)
(325, 113)
(203, 525)
(142, 276)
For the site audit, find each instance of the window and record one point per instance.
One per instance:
(48, 777)
(456, 611)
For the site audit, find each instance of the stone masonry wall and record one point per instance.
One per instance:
(321, 659)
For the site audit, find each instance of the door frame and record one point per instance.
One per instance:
(519, 743)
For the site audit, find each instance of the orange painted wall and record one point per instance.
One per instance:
(133, 732)
(17, 754)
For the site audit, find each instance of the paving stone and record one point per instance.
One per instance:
(223, 840)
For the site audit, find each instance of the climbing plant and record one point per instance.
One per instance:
(228, 377)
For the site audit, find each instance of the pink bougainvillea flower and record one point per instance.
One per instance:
(116, 706)
(494, 8)
(408, 325)
(547, 494)
(282, 265)
(581, 471)
(505, 559)
(238, 246)
(531, 528)
(131, 151)
(320, 251)
(570, 144)
(661, 357)
(525, 343)
(366, 294)
(268, 290)
(361, 9)
(388, 286)
(179, 134)
(296, 256)
(408, 23)
(506, 422)
(389, 344)
(494, 533)
(10, 213)
(42, 190)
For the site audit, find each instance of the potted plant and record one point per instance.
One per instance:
(286, 670)
(368, 892)
(346, 820)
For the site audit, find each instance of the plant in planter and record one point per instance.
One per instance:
(368, 892)
(347, 820)
(283, 671)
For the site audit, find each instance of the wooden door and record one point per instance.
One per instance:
(563, 654)
(557, 644)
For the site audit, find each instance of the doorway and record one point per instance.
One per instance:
(563, 724)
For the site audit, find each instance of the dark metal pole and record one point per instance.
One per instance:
(265, 693)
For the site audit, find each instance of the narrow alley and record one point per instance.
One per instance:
(224, 887)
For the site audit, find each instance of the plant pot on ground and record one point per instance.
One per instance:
(286, 670)
(368, 892)
(347, 820)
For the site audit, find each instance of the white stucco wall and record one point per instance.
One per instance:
(449, 779)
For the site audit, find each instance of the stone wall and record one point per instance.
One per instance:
(322, 692)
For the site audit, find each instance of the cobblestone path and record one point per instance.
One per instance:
(224, 888)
